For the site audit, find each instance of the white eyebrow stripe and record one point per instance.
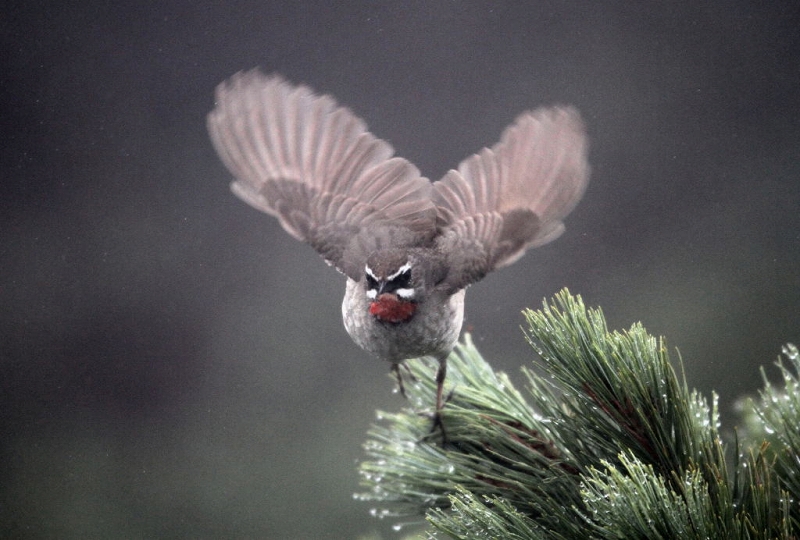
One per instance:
(405, 293)
(368, 270)
(405, 268)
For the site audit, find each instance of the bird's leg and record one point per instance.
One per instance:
(441, 374)
(396, 370)
(410, 373)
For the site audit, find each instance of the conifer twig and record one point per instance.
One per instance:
(609, 443)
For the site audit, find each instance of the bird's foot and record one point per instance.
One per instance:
(437, 429)
(400, 386)
(437, 426)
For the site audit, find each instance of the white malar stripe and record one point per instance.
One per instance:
(405, 294)
(372, 294)
(405, 268)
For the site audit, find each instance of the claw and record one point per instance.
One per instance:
(438, 424)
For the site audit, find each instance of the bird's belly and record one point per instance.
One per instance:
(433, 330)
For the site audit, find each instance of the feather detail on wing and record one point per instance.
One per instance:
(512, 197)
(314, 166)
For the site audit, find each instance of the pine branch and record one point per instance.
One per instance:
(775, 420)
(612, 444)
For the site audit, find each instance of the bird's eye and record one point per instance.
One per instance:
(402, 280)
(372, 283)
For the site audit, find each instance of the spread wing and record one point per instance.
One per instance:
(512, 196)
(314, 166)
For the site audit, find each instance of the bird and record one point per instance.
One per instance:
(408, 247)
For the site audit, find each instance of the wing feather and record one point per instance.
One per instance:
(313, 165)
(513, 196)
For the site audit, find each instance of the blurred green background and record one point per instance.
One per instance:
(173, 365)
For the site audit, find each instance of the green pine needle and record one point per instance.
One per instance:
(610, 444)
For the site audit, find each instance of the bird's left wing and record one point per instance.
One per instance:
(313, 165)
(512, 196)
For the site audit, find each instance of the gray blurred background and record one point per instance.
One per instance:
(173, 365)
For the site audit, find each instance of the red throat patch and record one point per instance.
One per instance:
(389, 308)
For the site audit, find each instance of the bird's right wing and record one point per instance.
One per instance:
(314, 166)
(513, 196)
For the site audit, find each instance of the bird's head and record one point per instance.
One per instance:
(391, 285)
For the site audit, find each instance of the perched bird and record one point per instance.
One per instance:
(408, 246)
